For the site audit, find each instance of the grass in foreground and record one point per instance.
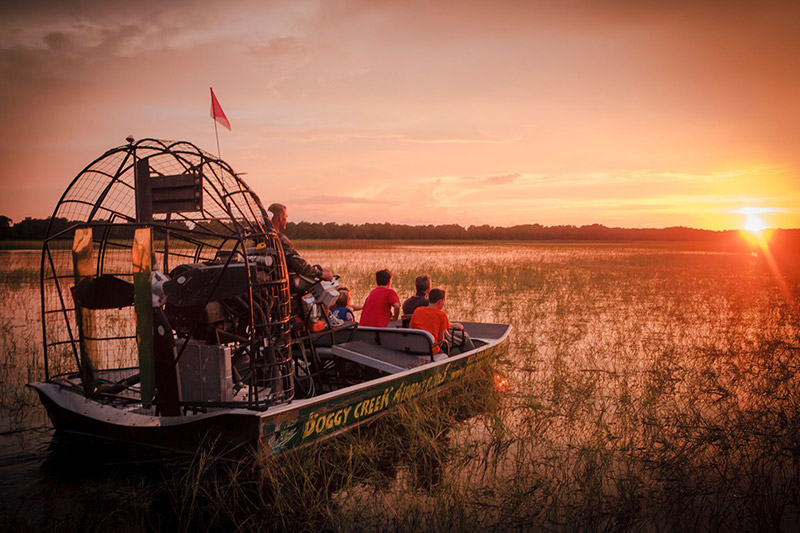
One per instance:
(654, 389)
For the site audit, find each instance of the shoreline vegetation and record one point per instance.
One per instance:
(29, 234)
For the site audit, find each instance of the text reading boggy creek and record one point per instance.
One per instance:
(343, 417)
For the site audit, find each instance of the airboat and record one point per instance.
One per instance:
(170, 319)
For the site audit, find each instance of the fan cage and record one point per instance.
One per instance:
(231, 220)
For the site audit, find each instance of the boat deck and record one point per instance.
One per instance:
(380, 358)
(394, 350)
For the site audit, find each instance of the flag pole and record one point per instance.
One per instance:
(216, 134)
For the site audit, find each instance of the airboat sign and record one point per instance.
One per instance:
(335, 415)
(170, 193)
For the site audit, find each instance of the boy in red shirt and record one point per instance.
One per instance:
(382, 304)
(435, 321)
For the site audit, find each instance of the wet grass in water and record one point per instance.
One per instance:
(654, 388)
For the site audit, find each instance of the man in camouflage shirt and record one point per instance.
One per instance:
(294, 261)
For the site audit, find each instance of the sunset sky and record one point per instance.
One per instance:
(624, 113)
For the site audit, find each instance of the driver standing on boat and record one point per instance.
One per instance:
(294, 261)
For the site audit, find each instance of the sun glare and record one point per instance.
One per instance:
(754, 224)
(754, 233)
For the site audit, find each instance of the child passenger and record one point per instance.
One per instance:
(345, 310)
(434, 320)
(382, 304)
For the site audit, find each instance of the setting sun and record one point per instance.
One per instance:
(754, 224)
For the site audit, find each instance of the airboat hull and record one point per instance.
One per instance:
(73, 414)
(281, 427)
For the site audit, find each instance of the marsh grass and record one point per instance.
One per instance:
(333, 484)
(20, 340)
(653, 388)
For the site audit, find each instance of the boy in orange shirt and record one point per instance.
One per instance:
(435, 321)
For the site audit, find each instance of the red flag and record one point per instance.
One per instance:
(217, 113)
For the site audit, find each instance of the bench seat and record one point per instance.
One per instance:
(379, 357)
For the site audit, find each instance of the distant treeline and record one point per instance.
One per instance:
(525, 232)
(30, 229)
(35, 229)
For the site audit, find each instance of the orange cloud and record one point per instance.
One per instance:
(621, 113)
